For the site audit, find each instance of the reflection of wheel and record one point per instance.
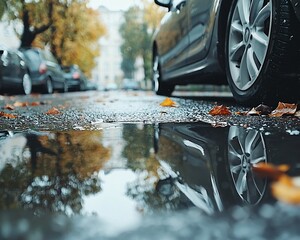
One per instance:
(258, 44)
(246, 148)
(26, 84)
(159, 87)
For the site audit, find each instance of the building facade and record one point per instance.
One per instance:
(108, 68)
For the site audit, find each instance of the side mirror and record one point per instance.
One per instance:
(164, 3)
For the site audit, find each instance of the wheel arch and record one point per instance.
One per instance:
(222, 25)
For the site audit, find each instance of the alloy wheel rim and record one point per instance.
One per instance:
(49, 86)
(27, 85)
(245, 149)
(248, 42)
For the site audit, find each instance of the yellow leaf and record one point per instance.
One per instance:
(168, 102)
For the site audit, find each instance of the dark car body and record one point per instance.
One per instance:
(14, 77)
(44, 70)
(191, 45)
(76, 79)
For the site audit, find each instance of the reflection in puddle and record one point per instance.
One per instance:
(126, 171)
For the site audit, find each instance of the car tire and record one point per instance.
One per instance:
(158, 86)
(66, 87)
(48, 88)
(26, 84)
(258, 47)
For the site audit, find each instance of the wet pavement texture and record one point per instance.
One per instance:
(145, 181)
(88, 110)
(117, 165)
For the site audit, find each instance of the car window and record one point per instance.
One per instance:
(33, 59)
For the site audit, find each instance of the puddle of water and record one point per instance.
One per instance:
(124, 173)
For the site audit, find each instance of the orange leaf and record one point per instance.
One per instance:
(7, 115)
(20, 104)
(53, 111)
(286, 189)
(269, 170)
(35, 104)
(9, 107)
(220, 110)
(168, 102)
(284, 109)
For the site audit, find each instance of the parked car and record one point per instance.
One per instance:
(252, 44)
(14, 76)
(130, 84)
(45, 72)
(75, 78)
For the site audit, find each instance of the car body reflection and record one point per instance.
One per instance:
(212, 167)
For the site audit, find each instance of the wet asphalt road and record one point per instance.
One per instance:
(86, 110)
(117, 165)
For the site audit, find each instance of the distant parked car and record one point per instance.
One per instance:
(130, 84)
(14, 76)
(76, 79)
(45, 72)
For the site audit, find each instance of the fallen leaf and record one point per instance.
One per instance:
(284, 109)
(253, 112)
(220, 110)
(269, 170)
(9, 107)
(286, 189)
(297, 114)
(21, 104)
(35, 104)
(7, 115)
(53, 111)
(263, 109)
(168, 102)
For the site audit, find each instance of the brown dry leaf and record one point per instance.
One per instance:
(9, 107)
(220, 110)
(253, 112)
(168, 102)
(21, 104)
(53, 111)
(7, 115)
(297, 114)
(33, 104)
(284, 109)
(287, 189)
(269, 170)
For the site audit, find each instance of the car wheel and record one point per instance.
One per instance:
(48, 86)
(258, 46)
(26, 84)
(158, 86)
(245, 149)
(66, 87)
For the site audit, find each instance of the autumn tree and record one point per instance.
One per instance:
(137, 31)
(3, 7)
(68, 27)
(73, 36)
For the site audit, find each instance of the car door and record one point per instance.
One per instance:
(172, 39)
(54, 67)
(201, 21)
